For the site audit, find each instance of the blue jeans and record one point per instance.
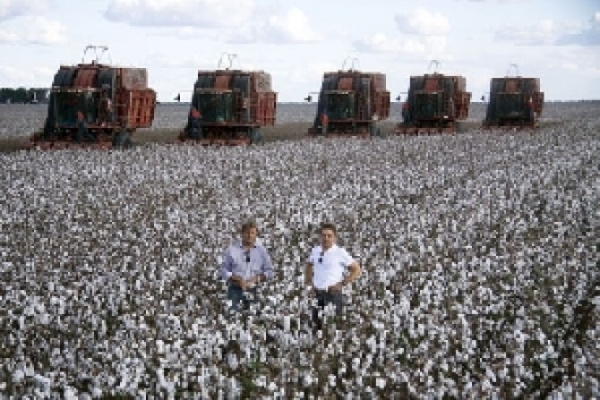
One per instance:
(240, 299)
(325, 298)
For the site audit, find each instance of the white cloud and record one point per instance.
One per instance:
(587, 35)
(543, 33)
(15, 8)
(425, 36)
(377, 43)
(291, 27)
(189, 61)
(422, 22)
(583, 60)
(44, 31)
(409, 46)
(203, 13)
(549, 32)
(35, 77)
(34, 30)
(8, 37)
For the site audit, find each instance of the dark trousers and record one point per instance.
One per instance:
(240, 299)
(324, 298)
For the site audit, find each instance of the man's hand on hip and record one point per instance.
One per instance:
(309, 290)
(239, 281)
(335, 288)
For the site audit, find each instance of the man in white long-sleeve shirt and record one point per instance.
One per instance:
(325, 273)
(245, 265)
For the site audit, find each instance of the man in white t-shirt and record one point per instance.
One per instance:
(326, 273)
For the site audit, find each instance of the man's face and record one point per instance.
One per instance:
(249, 236)
(327, 238)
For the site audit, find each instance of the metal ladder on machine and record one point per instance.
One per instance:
(451, 107)
(360, 113)
(242, 113)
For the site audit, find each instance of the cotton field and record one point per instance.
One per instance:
(480, 256)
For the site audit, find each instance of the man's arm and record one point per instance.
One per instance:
(227, 271)
(308, 275)
(354, 273)
(355, 270)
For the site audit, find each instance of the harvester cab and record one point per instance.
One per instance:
(340, 105)
(434, 103)
(68, 102)
(514, 101)
(215, 106)
(229, 106)
(95, 104)
(351, 102)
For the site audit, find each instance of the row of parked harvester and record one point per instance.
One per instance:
(101, 105)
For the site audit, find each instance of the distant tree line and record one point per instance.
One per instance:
(23, 95)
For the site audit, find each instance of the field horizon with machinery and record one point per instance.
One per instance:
(479, 250)
(20, 121)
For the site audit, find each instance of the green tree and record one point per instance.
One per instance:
(23, 95)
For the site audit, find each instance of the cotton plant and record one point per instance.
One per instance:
(477, 253)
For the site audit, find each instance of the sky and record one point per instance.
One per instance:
(297, 41)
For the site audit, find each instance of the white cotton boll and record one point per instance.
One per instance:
(42, 382)
(169, 241)
(286, 323)
(70, 393)
(160, 346)
(18, 375)
(232, 361)
(355, 364)
(502, 373)
(308, 380)
(272, 387)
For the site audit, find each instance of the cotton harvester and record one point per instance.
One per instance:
(514, 101)
(434, 103)
(96, 105)
(351, 102)
(228, 106)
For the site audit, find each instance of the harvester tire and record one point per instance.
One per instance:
(256, 137)
(122, 140)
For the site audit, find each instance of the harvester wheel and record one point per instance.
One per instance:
(122, 140)
(256, 136)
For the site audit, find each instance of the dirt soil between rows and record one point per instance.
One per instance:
(279, 132)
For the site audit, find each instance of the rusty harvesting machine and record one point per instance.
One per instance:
(514, 101)
(96, 104)
(229, 106)
(351, 102)
(434, 103)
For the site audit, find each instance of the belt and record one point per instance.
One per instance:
(322, 291)
(235, 285)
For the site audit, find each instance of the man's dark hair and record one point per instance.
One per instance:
(249, 225)
(328, 226)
